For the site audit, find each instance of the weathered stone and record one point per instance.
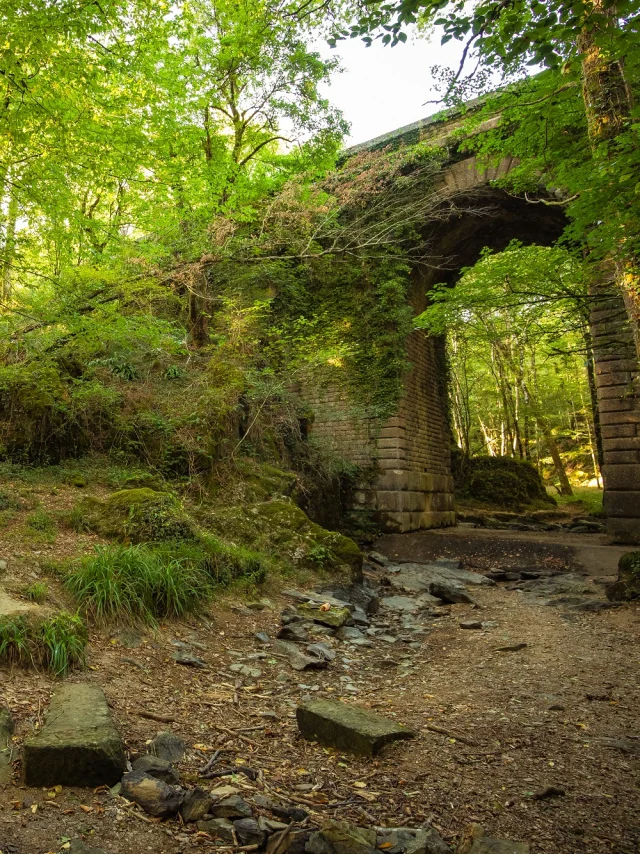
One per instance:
(321, 650)
(348, 633)
(249, 832)
(627, 586)
(450, 592)
(285, 812)
(154, 796)
(231, 807)
(339, 837)
(196, 804)
(189, 660)
(357, 595)
(475, 841)
(411, 840)
(168, 746)
(334, 616)
(246, 670)
(298, 660)
(161, 769)
(77, 846)
(347, 727)
(221, 828)
(297, 631)
(79, 744)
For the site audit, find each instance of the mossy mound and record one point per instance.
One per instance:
(139, 515)
(501, 481)
(262, 481)
(627, 587)
(282, 528)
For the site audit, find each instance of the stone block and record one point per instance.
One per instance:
(616, 404)
(624, 477)
(621, 530)
(438, 519)
(625, 504)
(78, 745)
(614, 457)
(618, 431)
(608, 418)
(617, 365)
(348, 728)
(629, 443)
(621, 378)
(618, 392)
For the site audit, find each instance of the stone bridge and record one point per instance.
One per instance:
(410, 453)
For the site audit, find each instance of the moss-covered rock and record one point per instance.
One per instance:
(139, 515)
(501, 481)
(627, 587)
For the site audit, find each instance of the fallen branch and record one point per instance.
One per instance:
(153, 716)
(461, 738)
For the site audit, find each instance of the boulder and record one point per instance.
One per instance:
(195, 805)
(78, 745)
(249, 832)
(335, 616)
(340, 837)
(154, 796)
(627, 586)
(221, 828)
(168, 746)
(450, 592)
(158, 768)
(475, 841)
(231, 807)
(348, 728)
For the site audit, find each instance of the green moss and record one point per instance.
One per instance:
(501, 481)
(139, 515)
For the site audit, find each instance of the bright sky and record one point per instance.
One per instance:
(384, 88)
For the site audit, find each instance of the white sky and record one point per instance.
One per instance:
(384, 88)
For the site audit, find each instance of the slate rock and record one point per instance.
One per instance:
(77, 846)
(334, 617)
(78, 745)
(358, 595)
(347, 727)
(249, 832)
(158, 768)
(450, 592)
(470, 624)
(321, 650)
(380, 559)
(285, 812)
(297, 631)
(348, 633)
(298, 660)
(231, 807)
(262, 637)
(189, 660)
(245, 670)
(475, 841)
(196, 804)
(168, 746)
(340, 837)
(221, 828)
(154, 796)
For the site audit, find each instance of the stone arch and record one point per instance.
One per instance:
(410, 453)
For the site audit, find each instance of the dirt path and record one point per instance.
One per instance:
(510, 724)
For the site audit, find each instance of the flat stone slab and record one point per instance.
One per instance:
(348, 728)
(78, 745)
(418, 577)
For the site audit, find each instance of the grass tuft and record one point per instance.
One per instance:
(41, 521)
(36, 592)
(57, 643)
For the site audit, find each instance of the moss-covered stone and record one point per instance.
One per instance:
(139, 515)
(501, 481)
(627, 587)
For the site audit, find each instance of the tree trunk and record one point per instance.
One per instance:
(9, 249)
(543, 425)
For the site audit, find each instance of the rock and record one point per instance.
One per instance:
(262, 637)
(284, 812)
(475, 841)
(339, 837)
(245, 670)
(77, 846)
(418, 577)
(6, 731)
(196, 804)
(129, 638)
(511, 647)
(221, 792)
(154, 796)
(400, 603)
(168, 746)
(450, 592)
(161, 769)
(380, 559)
(348, 727)
(470, 624)
(249, 832)
(78, 745)
(358, 595)
(627, 587)
(231, 807)
(348, 633)
(411, 840)
(321, 650)
(334, 616)
(557, 585)
(221, 828)
(297, 632)
(298, 660)
(626, 745)
(189, 660)
(548, 792)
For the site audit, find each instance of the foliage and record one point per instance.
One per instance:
(502, 481)
(36, 592)
(56, 643)
(41, 521)
(520, 359)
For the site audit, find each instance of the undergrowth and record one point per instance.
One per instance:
(56, 643)
(141, 582)
(36, 592)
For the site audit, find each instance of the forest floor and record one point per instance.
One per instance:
(495, 729)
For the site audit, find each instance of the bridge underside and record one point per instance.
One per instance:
(410, 453)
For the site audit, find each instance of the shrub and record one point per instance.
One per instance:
(36, 592)
(136, 582)
(57, 643)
